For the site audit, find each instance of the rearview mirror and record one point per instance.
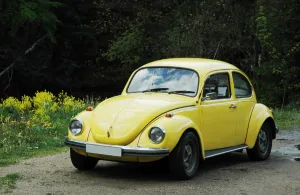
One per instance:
(210, 96)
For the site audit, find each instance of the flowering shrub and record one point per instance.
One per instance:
(69, 104)
(25, 104)
(36, 122)
(10, 107)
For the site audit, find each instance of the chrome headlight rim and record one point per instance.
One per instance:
(81, 122)
(163, 133)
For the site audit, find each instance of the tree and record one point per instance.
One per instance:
(278, 30)
(149, 30)
(24, 24)
(44, 44)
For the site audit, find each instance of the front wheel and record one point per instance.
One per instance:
(262, 148)
(184, 159)
(82, 162)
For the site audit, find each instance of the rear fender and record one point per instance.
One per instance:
(261, 114)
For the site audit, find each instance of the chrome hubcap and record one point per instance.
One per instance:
(263, 141)
(188, 158)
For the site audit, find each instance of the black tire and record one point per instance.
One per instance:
(82, 162)
(262, 148)
(187, 149)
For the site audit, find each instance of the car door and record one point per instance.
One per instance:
(245, 96)
(218, 113)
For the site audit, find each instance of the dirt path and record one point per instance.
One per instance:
(227, 174)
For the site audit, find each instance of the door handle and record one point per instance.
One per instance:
(232, 106)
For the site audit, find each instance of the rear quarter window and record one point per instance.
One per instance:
(242, 86)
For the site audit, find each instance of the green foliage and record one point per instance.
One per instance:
(20, 13)
(8, 182)
(250, 35)
(67, 45)
(126, 48)
(277, 28)
(287, 118)
(35, 125)
(95, 45)
(157, 29)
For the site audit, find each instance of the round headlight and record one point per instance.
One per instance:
(75, 126)
(156, 135)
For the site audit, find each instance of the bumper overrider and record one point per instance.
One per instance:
(116, 150)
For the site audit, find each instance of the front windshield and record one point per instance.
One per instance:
(165, 80)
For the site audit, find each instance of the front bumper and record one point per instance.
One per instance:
(115, 150)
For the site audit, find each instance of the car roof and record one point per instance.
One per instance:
(201, 65)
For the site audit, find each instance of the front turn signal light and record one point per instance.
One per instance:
(168, 115)
(90, 108)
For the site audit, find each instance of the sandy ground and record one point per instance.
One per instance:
(228, 174)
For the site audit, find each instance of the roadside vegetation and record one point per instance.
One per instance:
(8, 182)
(287, 118)
(35, 126)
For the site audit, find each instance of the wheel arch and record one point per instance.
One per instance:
(175, 128)
(201, 147)
(260, 115)
(270, 121)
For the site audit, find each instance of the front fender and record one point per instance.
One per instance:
(86, 117)
(174, 128)
(260, 114)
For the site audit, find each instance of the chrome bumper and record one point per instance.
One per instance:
(116, 150)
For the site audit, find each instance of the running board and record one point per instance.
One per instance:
(212, 153)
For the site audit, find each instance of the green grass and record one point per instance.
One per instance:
(8, 183)
(287, 118)
(35, 126)
(17, 155)
(22, 142)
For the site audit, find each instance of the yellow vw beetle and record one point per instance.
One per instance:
(180, 110)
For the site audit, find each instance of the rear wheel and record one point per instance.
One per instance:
(82, 162)
(263, 145)
(184, 159)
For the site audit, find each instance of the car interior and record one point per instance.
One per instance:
(217, 84)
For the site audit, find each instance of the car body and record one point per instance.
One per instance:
(179, 110)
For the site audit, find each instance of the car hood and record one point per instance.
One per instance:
(120, 119)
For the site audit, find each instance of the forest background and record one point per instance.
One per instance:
(90, 47)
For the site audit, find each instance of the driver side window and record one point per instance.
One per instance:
(217, 86)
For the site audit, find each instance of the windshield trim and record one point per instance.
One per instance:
(165, 67)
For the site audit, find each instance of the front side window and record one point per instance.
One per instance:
(217, 86)
(242, 87)
(165, 80)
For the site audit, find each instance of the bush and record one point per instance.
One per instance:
(35, 123)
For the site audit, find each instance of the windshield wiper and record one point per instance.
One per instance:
(182, 91)
(155, 89)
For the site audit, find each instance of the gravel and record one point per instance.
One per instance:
(232, 173)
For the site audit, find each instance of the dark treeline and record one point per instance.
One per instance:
(90, 47)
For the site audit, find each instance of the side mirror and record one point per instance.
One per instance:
(210, 96)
